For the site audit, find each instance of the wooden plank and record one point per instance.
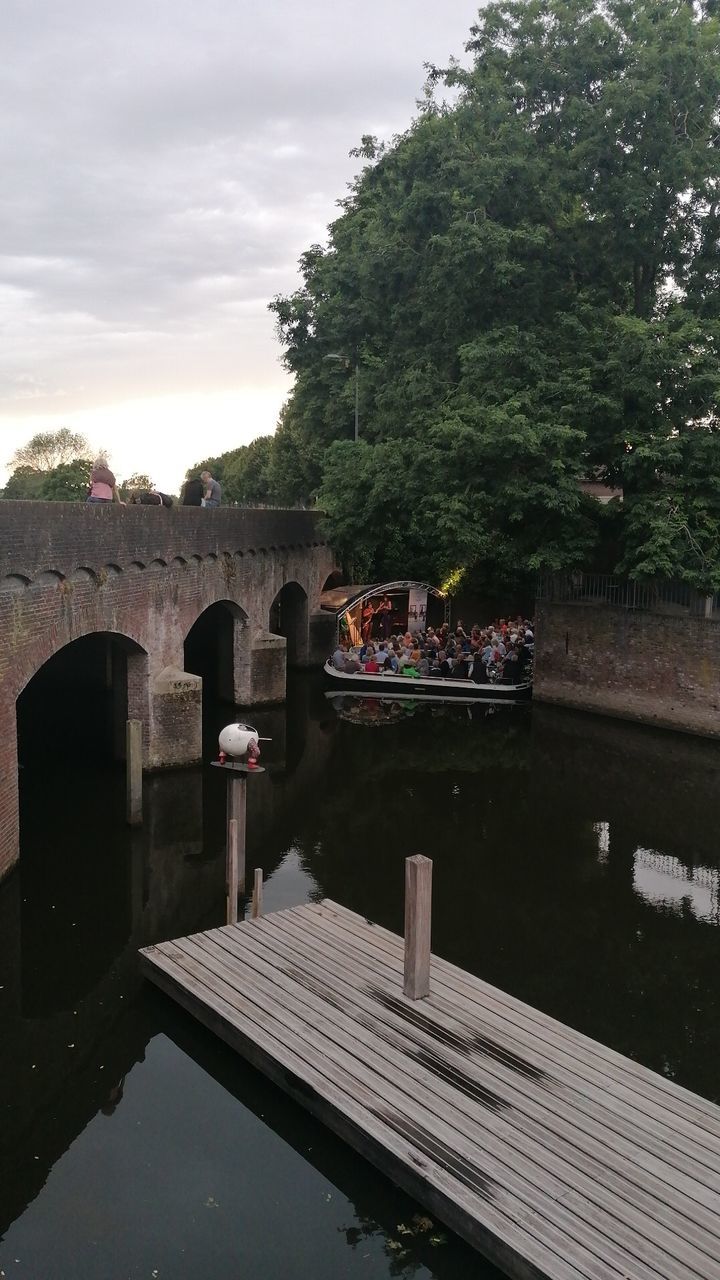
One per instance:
(476, 990)
(631, 1114)
(257, 897)
(577, 1191)
(231, 872)
(610, 1159)
(513, 1248)
(552, 1220)
(556, 1161)
(541, 1119)
(643, 1088)
(418, 913)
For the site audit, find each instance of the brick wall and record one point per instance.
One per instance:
(145, 574)
(654, 668)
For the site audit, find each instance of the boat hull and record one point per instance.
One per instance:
(432, 688)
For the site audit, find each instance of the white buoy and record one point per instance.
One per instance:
(238, 740)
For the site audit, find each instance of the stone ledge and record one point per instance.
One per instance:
(635, 707)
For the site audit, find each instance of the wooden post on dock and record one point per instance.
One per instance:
(257, 898)
(418, 910)
(237, 812)
(133, 771)
(231, 871)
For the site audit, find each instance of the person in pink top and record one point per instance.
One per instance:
(103, 486)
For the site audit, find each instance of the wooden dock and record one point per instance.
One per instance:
(551, 1154)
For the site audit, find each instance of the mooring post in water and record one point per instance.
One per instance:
(237, 775)
(133, 771)
(237, 812)
(231, 871)
(257, 898)
(418, 911)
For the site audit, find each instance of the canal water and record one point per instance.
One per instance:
(575, 865)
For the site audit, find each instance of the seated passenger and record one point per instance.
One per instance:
(510, 668)
(460, 669)
(479, 671)
(343, 661)
(339, 657)
(524, 658)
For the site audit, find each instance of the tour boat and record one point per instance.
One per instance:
(385, 684)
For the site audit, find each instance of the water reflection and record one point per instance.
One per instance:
(666, 883)
(574, 866)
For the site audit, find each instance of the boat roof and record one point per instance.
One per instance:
(339, 599)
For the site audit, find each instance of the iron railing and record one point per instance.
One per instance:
(608, 589)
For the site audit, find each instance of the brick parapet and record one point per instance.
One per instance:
(65, 538)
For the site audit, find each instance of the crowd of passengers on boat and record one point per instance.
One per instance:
(500, 652)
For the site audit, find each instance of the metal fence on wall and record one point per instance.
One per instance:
(605, 588)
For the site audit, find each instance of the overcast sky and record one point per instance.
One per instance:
(164, 163)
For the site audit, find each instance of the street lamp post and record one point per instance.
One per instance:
(335, 355)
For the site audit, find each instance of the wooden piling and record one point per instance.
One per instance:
(257, 898)
(231, 871)
(237, 812)
(418, 910)
(133, 771)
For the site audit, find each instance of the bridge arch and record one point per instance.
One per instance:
(289, 618)
(218, 648)
(76, 703)
(333, 580)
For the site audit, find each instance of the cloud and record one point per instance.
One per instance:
(164, 165)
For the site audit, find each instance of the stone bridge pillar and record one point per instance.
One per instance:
(267, 671)
(322, 638)
(173, 730)
(167, 701)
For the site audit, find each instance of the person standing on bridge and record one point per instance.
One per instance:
(212, 494)
(103, 486)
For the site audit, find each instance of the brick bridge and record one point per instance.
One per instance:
(115, 613)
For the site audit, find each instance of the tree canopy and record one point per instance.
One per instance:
(525, 286)
(53, 467)
(67, 482)
(243, 473)
(48, 449)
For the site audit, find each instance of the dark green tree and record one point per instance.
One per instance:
(216, 466)
(67, 482)
(24, 483)
(138, 480)
(246, 473)
(528, 281)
